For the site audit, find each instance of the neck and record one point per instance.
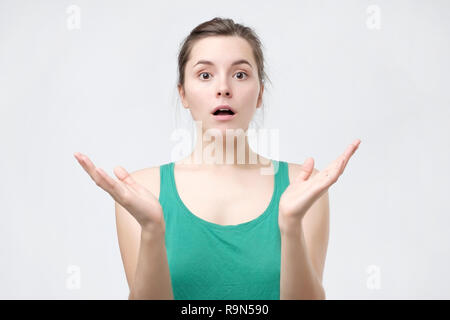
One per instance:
(224, 149)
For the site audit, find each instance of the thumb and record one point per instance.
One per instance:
(124, 176)
(307, 168)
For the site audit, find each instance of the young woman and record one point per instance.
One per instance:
(221, 229)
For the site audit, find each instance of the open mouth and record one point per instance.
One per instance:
(223, 112)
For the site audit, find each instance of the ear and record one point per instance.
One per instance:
(258, 104)
(182, 95)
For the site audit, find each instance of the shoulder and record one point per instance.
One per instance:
(149, 178)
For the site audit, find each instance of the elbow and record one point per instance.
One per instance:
(132, 296)
(319, 295)
(322, 295)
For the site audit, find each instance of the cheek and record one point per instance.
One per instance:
(248, 92)
(198, 92)
(196, 95)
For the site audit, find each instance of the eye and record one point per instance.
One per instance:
(203, 73)
(242, 73)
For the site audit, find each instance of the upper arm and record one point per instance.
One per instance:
(316, 225)
(128, 229)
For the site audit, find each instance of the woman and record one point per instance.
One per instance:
(220, 229)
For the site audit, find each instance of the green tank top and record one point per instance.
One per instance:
(210, 261)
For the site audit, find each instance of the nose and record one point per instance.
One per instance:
(225, 92)
(224, 89)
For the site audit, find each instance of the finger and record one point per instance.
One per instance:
(87, 165)
(349, 152)
(100, 177)
(307, 169)
(124, 176)
(115, 188)
(332, 172)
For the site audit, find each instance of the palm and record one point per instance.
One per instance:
(138, 200)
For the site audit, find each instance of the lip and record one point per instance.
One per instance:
(222, 107)
(224, 117)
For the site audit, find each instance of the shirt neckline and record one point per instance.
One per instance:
(240, 226)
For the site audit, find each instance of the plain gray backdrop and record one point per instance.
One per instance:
(99, 77)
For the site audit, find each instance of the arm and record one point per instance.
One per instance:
(143, 250)
(298, 277)
(303, 249)
(304, 226)
(144, 257)
(301, 278)
(152, 278)
(140, 227)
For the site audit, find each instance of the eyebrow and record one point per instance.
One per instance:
(241, 61)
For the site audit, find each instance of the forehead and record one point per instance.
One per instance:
(221, 49)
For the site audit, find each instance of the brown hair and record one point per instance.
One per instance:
(221, 27)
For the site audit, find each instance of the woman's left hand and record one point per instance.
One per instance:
(301, 194)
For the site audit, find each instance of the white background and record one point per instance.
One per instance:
(108, 89)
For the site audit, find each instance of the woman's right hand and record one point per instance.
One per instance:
(136, 199)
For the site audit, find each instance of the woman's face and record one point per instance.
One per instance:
(207, 86)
